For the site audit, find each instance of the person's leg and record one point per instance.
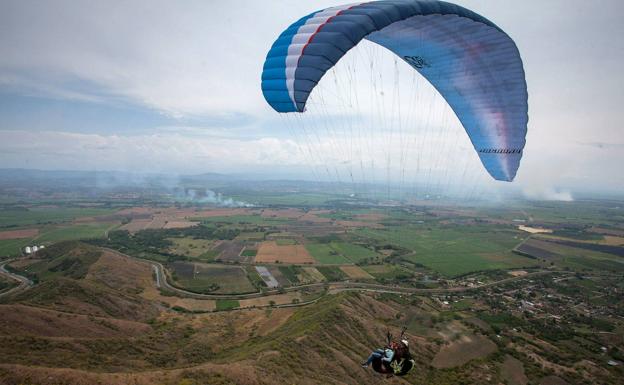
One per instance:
(377, 353)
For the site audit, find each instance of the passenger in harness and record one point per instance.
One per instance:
(393, 359)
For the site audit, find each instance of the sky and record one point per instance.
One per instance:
(174, 87)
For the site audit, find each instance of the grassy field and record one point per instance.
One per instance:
(455, 250)
(212, 278)
(249, 253)
(76, 232)
(10, 247)
(227, 304)
(51, 234)
(325, 254)
(38, 216)
(355, 253)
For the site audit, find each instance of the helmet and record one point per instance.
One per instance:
(405, 342)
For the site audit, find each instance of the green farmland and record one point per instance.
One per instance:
(335, 253)
(40, 216)
(453, 251)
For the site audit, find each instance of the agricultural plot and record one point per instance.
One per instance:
(356, 272)
(257, 220)
(279, 277)
(18, 234)
(253, 236)
(323, 253)
(573, 257)
(291, 273)
(310, 275)
(10, 247)
(455, 250)
(230, 251)
(386, 271)
(271, 252)
(46, 215)
(136, 225)
(282, 213)
(267, 277)
(179, 224)
(76, 232)
(536, 249)
(332, 273)
(279, 299)
(355, 253)
(194, 248)
(221, 279)
(248, 253)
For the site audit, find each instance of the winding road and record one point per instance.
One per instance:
(161, 281)
(24, 282)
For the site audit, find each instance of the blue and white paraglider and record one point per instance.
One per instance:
(473, 64)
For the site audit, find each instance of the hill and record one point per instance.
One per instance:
(95, 317)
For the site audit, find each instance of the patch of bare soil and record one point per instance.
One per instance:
(278, 299)
(270, 252)
(512, 371)
(467, 348)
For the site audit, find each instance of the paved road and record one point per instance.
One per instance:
(24, 282)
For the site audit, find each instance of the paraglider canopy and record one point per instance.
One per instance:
(472, 63)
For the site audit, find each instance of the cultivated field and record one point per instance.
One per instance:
(325, 254)
(230, 251)
(18, 234)
(455, 250)
(271, 252)
(212, 278)
(356, 272)
(194, 248)
(310, 275)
